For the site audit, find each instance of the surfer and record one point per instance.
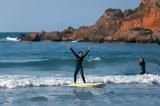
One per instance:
(142, 65)
(79, 59)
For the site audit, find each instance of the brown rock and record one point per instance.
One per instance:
(139, 25)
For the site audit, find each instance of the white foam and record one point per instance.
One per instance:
(21, 60)
(14, 81)
(12, 39)
(94, 59)
(122, 79)
(74, 41)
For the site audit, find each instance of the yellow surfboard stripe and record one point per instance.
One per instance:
(86, 85)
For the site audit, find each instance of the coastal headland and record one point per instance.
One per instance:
(141, 24)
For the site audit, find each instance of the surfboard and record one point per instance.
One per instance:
(97, 85)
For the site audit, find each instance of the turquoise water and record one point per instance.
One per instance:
(34, 73)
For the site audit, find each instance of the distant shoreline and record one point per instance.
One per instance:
(4, 35)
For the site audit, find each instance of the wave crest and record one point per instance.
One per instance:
(14, 81)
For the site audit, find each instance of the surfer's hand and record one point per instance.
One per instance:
(89, 48)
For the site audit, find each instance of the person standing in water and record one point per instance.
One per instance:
(79, 67)
(142, 65)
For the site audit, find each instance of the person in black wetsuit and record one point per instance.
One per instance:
(79, 59)
(142, 64)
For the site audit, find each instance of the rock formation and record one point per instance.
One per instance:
(139, 25)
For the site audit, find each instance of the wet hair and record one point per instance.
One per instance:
(141, 58)
(80, 52)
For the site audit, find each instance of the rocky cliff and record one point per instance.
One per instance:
(139, 25)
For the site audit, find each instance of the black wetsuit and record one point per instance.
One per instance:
(143, 69)
(79, 66)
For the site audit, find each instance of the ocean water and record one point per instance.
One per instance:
(34, 74)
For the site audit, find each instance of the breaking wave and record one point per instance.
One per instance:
(15, 39)
(14, 81)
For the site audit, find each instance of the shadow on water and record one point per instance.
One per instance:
(38, 98)
(83, 94)
(31, 101)
(93, 96)
(79, 96)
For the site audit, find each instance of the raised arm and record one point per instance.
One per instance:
(72, 50)
(86, 52)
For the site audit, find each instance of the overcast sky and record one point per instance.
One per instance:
(52, 15)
